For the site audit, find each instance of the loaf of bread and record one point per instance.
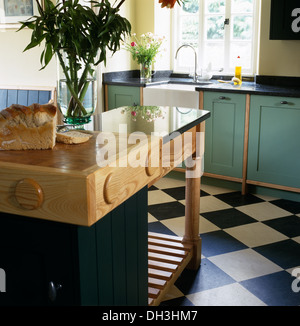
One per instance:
(28, 127)
(72, 137)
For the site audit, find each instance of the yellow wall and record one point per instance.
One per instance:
(276, 58)
(144, 16)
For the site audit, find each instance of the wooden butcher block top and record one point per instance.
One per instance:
(67, 185)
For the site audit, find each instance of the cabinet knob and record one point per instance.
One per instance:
(29, 194)
(222, 97)
(52, 290)
(283, 102)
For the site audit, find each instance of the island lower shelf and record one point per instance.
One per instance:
(168, 256)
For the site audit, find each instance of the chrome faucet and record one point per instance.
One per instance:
(187, 45)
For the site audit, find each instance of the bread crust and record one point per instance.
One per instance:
(28, 127)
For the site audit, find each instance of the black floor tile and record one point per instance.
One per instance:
(274, 289)
(159, 228)
(288, 225)
(228, 218)
(209, 276)
(284, 253)
(219, 242)
(167, 210)
(179, 192)
(237, 199)
(289, 205)
(152, 188)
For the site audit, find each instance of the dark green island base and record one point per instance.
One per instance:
(52, 263)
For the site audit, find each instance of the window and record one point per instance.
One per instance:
(220, 31)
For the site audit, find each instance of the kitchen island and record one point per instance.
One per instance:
(74, 230)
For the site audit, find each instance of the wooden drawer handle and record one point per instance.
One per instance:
(29, 194)
(148, 168)
(110, 192)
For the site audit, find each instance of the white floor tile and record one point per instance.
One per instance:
(297, 239)
(255, 234)
(175, 224)
(210, 204)
(212, 190)
(263, 211)
(173, 293)
(164, 183)
(151, 218)
(158, 197)
(244, 264)
(228, 295)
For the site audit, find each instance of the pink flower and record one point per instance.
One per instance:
(133, 113)
(133, 44)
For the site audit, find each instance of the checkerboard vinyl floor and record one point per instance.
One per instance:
(250, 246)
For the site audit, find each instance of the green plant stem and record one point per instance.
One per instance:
(70, 86)
(82, 88)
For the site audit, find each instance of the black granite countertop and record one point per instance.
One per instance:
(252, 88)
(162, 121)
(285, 86)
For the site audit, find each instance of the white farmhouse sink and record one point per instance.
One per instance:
(182, 95)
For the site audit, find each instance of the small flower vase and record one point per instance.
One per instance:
(76, 90)
(145, 72)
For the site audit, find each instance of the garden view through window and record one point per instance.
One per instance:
(220, 31)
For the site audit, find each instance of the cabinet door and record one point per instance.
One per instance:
(39, 263)
(122, 96)
(224, 133)
(274, 140)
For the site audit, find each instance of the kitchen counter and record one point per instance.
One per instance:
(72, 184)
(292, 90)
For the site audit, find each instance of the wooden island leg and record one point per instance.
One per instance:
(192, 212)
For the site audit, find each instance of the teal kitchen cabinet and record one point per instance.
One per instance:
(274, 140)
(118, 96)
(224, 133)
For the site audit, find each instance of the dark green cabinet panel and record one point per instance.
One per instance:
(105, 264)
(36, 254)
(274, 140)
(122, 96)
(224, 133)
(116, 271)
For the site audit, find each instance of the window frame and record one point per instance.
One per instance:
(176, 22)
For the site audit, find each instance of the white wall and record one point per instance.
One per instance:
(18, 68)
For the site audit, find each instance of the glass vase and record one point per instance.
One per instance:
(145, 72)
(76, 89)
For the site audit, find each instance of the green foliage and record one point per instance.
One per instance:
(82, 35)
(77, 29)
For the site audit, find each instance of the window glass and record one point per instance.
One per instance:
(219, 30)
